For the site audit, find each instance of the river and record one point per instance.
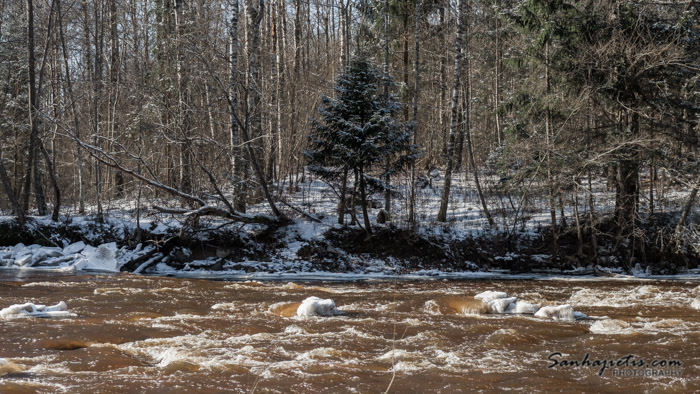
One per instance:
(158, 334)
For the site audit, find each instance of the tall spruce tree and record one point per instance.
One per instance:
(358, 134)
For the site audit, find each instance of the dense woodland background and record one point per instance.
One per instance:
(213, 104)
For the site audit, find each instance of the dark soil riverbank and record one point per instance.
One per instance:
(655, 250)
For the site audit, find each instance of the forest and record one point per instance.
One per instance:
(561, 128)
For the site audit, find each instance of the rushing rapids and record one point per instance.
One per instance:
(132, 333)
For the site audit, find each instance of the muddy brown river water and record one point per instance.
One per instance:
(154, 334)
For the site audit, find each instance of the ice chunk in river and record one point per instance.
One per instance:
(559, 313)
(102, 258)
(490, 295)
(499, 305)
(32, 310)
(499, 302)
(74, 248)
(314, 306)
(522, 307)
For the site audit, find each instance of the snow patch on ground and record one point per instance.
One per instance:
(314, 306)
(33, 310)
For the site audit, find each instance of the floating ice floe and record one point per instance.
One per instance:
(558, 313)
(499, 302)
(314, 306)
(32, 310)
(76, 256)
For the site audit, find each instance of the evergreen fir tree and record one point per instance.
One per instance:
(358, 132)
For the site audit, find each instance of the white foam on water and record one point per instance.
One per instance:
(51, 284)
(611, 326)
(319, 353)
(412, 366)
(498, 361)
(432, 307)
(648, 295)
(673, 326)
(429, 338)
(117, 291)
(411, 322)
(314, 306)
(33, 310)
(695, 304)
(295, 330)
(400, 354)
(556, 313)
(500, 334)
(7, 367)
(50, 369)
(226, 306)
(201, 351)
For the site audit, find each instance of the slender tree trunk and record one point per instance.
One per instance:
(579, 231)
(686, 209)
(363, 196)
(548, 144)
(7, 186)
(468, 132)
(416, 86)
(343, 190)
(255, 13)
(114, 89)
(237, 164)
(96, 77)
(627, 174)
(54, 181)
(442, 213)
(387, 178)
(497, 83)
(183, 116)
(470, 146)
(68, 89)
(444, 131)
(591, 207)
(32, 99)
(652, 175)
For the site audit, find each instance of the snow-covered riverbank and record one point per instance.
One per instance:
(299, 249)
(312, 244)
